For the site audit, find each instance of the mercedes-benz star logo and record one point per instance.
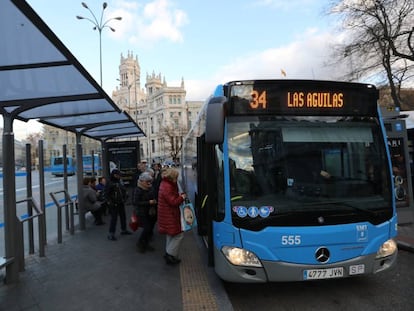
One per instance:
(322, 254)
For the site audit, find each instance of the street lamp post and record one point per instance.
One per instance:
(149, 135)
(99, 25)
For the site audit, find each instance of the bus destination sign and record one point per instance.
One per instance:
(293, 100)
(251, 99)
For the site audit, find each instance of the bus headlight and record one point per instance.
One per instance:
(388, 248)
(241, 257)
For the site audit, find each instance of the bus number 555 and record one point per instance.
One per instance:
(291, 239)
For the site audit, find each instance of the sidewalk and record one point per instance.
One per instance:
(89, 272)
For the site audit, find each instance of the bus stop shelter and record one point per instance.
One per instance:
(40, 79)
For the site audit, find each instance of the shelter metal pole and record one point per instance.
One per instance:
(79, 174)
(42, 218)
(65, 185)
(9, 190)
(105, 160)
(93, 163)
(29, 195)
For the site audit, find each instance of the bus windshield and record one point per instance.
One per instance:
(307, 171)
(59, 161)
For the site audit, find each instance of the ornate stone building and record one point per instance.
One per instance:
(160, 110)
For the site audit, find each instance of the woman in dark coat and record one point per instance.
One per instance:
(145, 208)
(169, 201)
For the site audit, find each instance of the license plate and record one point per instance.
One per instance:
(319, 274)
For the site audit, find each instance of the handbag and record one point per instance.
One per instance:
(96, 206)
(134, 222)
(187, 216)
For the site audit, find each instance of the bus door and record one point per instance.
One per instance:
(206, 196)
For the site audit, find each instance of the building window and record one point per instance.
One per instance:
(151, 126)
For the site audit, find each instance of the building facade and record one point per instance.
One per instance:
(161, 111)
(54, 139)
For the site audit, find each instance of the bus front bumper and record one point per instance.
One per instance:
(276, 271)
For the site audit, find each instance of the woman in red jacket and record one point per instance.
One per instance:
(169, 201)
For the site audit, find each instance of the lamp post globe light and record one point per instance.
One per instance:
(99, 25)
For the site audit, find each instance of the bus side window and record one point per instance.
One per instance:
(218, 196)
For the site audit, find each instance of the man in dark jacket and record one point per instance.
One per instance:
(115, 194)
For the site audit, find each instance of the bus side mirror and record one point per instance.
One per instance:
(215, 120)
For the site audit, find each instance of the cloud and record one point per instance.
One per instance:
(155, 21)
(198, 89)
(305, 58)
(283, 4)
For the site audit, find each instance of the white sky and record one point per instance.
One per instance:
(204, 42)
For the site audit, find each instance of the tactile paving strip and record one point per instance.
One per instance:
(196, 290)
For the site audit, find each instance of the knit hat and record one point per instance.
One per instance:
(145, 177)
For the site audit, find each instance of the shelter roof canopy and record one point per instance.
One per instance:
(41, 79)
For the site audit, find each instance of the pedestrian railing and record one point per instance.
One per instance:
(4, 262)
(62, 199)
(34, 211)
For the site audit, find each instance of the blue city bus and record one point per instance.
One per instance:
(293, 181)
(57, 167)
(89, 168)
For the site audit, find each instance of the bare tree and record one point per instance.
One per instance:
(174, 135)
(375, 30)
(400, 35)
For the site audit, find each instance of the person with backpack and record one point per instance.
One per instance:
(115, 194)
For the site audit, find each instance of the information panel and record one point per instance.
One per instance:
(302, 97)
